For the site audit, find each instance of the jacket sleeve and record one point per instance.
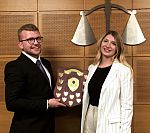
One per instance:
(15, 92)
(126, 100)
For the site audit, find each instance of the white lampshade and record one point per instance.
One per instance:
(84, 34)
(133, 34)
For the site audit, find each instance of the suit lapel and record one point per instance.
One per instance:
(111, 76)
(49, 68)
(30, 65)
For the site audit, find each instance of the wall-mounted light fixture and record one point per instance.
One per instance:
(132, 34)
(84, 34)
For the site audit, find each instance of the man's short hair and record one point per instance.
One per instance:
(27, 27)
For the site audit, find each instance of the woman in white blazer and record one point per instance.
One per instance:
(108, 91)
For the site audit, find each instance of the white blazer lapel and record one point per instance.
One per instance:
(111, 76)
(92, 68)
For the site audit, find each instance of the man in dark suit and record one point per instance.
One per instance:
(28, 90)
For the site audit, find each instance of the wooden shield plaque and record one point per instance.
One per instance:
(69, 86)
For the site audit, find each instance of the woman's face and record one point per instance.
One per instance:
(108, 47)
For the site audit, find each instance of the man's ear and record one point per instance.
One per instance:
(20, 45)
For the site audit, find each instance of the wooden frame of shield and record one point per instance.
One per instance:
(69, 86)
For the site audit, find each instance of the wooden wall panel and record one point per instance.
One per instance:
(118, 21)
(125, 3)
(5, 119)
(141, 69)
(88, 61)
(57, 21)
(141, 118)
(97, 22)
(68, 120)
(66, 63)
(45, 5)
(92, 3)
(58, 29)
(91, 50)
(143, 18)
(129, 60)
(140, 4)
(2, 87)
(18, 5)
(9, 24)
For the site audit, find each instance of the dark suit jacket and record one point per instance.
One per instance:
(26, 94)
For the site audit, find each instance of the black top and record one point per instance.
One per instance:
(95, 84)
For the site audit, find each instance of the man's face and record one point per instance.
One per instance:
(30, 42)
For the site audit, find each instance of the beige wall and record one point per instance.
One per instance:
(57, 20)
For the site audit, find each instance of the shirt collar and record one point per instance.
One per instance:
(30, 57)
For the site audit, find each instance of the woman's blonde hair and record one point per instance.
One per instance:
(119, 52)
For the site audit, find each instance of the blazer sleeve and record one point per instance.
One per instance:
(126, 78)
(14, 92)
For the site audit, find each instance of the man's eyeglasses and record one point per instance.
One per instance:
(32, 40)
